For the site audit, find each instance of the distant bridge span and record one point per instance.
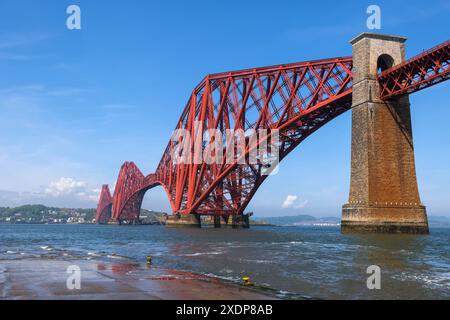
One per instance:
(295, 99)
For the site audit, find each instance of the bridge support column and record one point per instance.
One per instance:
(217, 221)
(240, 221)
(183, 220)
(384, 196)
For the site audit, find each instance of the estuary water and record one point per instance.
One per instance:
(294, 262)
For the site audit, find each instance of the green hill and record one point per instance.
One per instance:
(152, 217)
(43, 214)
(300, 220)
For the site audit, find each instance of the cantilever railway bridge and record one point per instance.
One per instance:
(296, 99)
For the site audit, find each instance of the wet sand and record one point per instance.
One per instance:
(39, 279)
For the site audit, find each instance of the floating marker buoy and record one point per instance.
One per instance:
(247, 281)
(149, 259)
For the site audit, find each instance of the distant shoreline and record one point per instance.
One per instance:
(43, 215)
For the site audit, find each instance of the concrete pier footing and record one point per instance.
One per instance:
(236, 222)
(217, 221)
(241, 221)
(194, 220)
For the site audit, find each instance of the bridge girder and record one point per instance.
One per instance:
(422, 71)
(294, 99)
(104, 207)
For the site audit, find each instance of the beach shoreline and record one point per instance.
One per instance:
(47, 279)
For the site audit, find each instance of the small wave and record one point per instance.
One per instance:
(227, 271)
(291, 295)
(114, 256)
(441, 280)
(330, 246)
(46, 248)
(258, 261)
(158, 254)
(11, 252)
(226, 278)
(200, 254)
(283, 293)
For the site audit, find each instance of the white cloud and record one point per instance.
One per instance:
(290, 202)
(70, 187)
(64, 186)
(11, 41)
(301, 205)
(12, 46)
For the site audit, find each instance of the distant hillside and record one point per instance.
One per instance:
(153, 217)
(301, 220)
(40, 214)
(439, 221)
(43, 214)
(37, 214)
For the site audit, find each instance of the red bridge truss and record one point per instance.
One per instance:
(420, 72)
(293, 100)
(104, 206)
(129, 192)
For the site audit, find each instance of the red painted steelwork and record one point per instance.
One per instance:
(420, 72)
(295, 99)
(129, 192)
(104, 206)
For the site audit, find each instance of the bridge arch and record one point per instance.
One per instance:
(129, 193)
(104, 207)
(131, 209)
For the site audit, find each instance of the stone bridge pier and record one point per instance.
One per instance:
(384, 195)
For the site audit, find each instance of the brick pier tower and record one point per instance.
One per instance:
(384, 196)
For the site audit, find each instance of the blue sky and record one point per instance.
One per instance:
(76, 104)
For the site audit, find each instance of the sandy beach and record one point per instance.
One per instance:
(40, 279)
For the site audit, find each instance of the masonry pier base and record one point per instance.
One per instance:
(183, 220)
(384, 219)
(384, 196)
(240, 221)
(217, 221)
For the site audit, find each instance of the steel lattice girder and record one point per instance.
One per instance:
(130, 188)
(296, 99)
(422, 71)
(104, 206)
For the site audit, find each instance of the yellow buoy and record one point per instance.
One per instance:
(149, 259)
(247, 281)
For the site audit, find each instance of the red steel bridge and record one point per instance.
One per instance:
(296, 99)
